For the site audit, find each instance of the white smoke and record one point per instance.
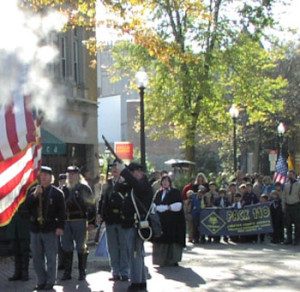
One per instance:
(27, 53)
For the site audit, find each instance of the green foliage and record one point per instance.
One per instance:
(207, 159)
(199, 59)
(181, 180)
(194, 83)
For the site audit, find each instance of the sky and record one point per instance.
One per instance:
(288, 16)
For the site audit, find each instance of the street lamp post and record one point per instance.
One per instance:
(280, 131)
(234, 113)
(142, 82)
(107, 155)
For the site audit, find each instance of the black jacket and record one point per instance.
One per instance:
(53, 210)
(217, 202)
(173, 223)
(110, 206)
(143, 193)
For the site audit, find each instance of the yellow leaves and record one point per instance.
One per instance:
(131, 26)
(91, 45)
(156, 46)
(168, 53)
(195, 8)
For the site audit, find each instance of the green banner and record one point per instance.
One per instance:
(254, 219)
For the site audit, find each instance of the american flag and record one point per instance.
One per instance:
(281, 170)
(20, 154)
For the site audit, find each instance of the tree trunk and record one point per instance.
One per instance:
(190, 138)
(190, 152)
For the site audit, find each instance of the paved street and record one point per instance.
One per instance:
(214, 267)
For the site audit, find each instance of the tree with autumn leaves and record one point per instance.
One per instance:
(201, 57)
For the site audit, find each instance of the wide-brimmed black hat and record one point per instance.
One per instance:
(73, 169)
(46, 169)
(135, 166)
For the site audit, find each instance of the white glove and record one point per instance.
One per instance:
(162, 208)
(176, 207)
(120, 166)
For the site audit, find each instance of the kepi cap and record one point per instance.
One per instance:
(62, 176)
(46, 169)
(73, 169)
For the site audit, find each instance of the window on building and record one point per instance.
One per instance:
(63, 62)
(75, 61)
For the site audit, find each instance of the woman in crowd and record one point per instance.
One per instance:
(200, 180)
(167, 249)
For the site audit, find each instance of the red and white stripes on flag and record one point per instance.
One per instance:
(281, 170)
(20, 155)
(16, 127)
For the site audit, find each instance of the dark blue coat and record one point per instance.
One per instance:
(249, 199)
(196, 203)
(217, 202)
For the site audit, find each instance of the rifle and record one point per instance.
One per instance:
(111, 150)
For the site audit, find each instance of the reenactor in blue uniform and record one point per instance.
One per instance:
(80, 212)
(136, 178)
(111, 212)
(46, 207)
(61, 184)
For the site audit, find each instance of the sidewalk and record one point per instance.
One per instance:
(210, 267)
(98, 272)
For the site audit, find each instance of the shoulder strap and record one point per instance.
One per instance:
(151, 206)
(135, 206)
(134, 198)
(139, 217)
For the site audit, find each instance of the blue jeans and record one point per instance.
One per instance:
(137, 254)
(117, 238)
(44, 254)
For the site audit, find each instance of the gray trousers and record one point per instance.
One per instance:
(136, 257)
(75, 230)
(44, 254)
(117, 238)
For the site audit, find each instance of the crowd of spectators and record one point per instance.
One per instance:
(244, 190)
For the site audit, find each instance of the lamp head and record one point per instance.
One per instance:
(141, 78)
(281, 128)
(234, 111)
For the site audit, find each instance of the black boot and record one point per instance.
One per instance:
(82, 259)
(143, 286)
(18, 269)
(68, 261)
(134, 287)
(25, 264)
